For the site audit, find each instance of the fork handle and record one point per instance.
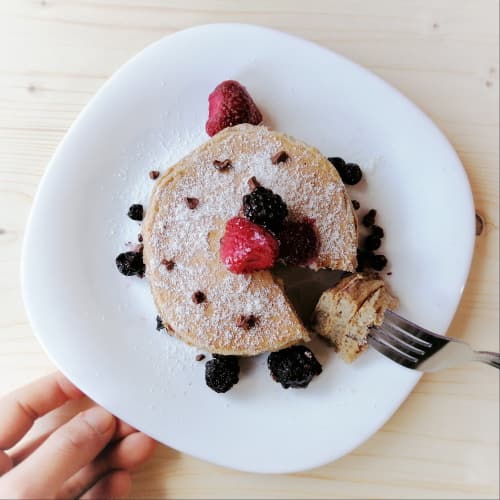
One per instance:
(490, 358)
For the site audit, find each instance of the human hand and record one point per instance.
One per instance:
(88, 457)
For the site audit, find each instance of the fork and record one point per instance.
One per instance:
(415, 347)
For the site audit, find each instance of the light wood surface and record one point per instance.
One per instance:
(443, 54)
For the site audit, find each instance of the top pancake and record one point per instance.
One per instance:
(310, 187)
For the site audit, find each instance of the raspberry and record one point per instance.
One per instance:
(221, 373)
(230, 104)
(350, 173)
(293, 367)
(298, 243)
(247, 247)
(265, 208)
(130, 264)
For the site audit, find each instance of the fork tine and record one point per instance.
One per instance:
(394, 338)
(392, 352)
(410, 330)
(407, 338)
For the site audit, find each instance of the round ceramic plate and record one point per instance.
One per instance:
(99, 326)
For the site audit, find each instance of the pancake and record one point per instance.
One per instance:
(345, 313)
(240, 314)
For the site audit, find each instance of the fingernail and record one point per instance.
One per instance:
(99, 419)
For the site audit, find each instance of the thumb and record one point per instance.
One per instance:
(64, 453)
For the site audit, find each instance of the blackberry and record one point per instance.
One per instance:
(221, 373)
(363, 258)
(298, 243)
(337, 162)
(293, 367)
(372, 242)
(159, 324)
(131, 264)
(229, 359)
(369, 218)
(136, 212)
(355, 204)
(377, 231)
(265, 208)
(350, 173)
(378, 262)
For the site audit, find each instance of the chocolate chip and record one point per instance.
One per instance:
(169, 264)
(355, 204)
(198, 297)
(279, 157)
(222, 165)
(369, 218)
(200, 357)
(139, 238)
(253, 183)
(154, 174)
(192, 203)
(159, 324)
(246, 322)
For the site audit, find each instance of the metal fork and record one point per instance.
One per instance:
(415, 347)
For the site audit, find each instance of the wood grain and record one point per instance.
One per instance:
(55, 54)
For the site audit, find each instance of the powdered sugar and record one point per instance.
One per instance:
(190, 237)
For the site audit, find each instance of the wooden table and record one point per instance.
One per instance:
(55, 54)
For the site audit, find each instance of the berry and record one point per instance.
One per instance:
(247, 247)
(136, 212)
(230, 359)
(363, 258)
(377, 231)
(222, 373)
(355, 204)
(372, 242)
(337, 162)
(350, 173)
(369, 218)
(265, 208)
(378, 262)
(293, 367)
(131, 264)
(298, 243)
(230, 104)
(159, 324)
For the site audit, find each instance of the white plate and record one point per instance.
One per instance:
(99, 326)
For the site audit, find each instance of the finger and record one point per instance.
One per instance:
(116, 484)
(65, 452)
(21, 408)
(126, 454)
(5, 463)
(45, 426)
(123, 429)
(19, 453)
